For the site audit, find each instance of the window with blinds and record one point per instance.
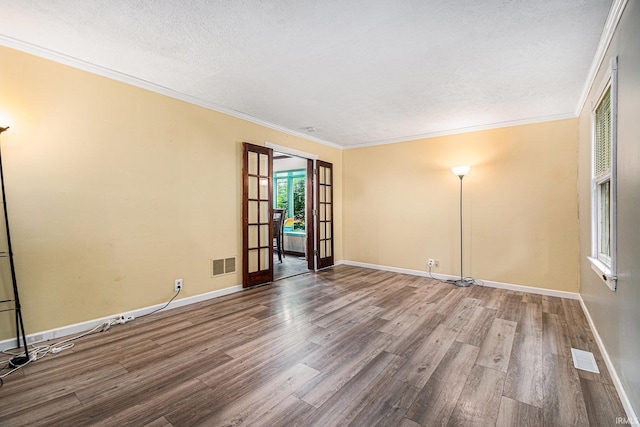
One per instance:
(603, 178)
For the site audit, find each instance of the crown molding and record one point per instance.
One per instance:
(610, 25)
(457, 131)
(152, 87)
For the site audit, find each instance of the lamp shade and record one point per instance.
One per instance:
(461, 170)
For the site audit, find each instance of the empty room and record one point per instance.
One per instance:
(296, 213)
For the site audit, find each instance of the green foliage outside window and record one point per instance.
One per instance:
(290, 189)
(299, 205)
(282, 195)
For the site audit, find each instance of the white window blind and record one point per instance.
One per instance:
(602, 160)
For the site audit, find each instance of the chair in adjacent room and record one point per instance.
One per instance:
(278, 233)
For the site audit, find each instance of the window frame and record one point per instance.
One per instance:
(605, 265)
(289, 176)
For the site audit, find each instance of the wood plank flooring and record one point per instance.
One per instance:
(291, 265)
(346, 346)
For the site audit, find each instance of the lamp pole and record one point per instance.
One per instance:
(461, 171)
(21, 359)
(461, 263)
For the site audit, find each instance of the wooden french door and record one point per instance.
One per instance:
(324, 219)
(257, 215)
(310, 221)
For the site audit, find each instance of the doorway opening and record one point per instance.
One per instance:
(291, 196)
(307, 233)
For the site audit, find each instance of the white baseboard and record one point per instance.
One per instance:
(489, 283)
(88, 325)
(632, 418)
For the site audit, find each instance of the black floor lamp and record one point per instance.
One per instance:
(21, 359)
(463, 282)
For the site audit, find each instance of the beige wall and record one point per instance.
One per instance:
(616, 314)
(521, 226)
(114, 191)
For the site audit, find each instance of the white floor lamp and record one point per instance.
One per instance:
(463, 282)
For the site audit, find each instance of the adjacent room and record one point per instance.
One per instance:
(290, 230)
(406, 213)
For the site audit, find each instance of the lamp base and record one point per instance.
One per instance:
(462, 282)
(18, 361)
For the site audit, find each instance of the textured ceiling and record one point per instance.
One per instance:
(359, 72)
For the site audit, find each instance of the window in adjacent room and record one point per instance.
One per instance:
(290, 187)
(604, 113)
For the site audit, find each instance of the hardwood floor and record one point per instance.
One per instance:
(346, 346)
(291, 265)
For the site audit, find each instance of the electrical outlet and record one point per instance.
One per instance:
(433, 263)
(35, 339)
(178, 285)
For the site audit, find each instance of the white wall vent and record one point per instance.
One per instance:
(223, 266)
(584, 360)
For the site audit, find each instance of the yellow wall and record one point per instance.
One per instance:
(114, 191)
(521, 226)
